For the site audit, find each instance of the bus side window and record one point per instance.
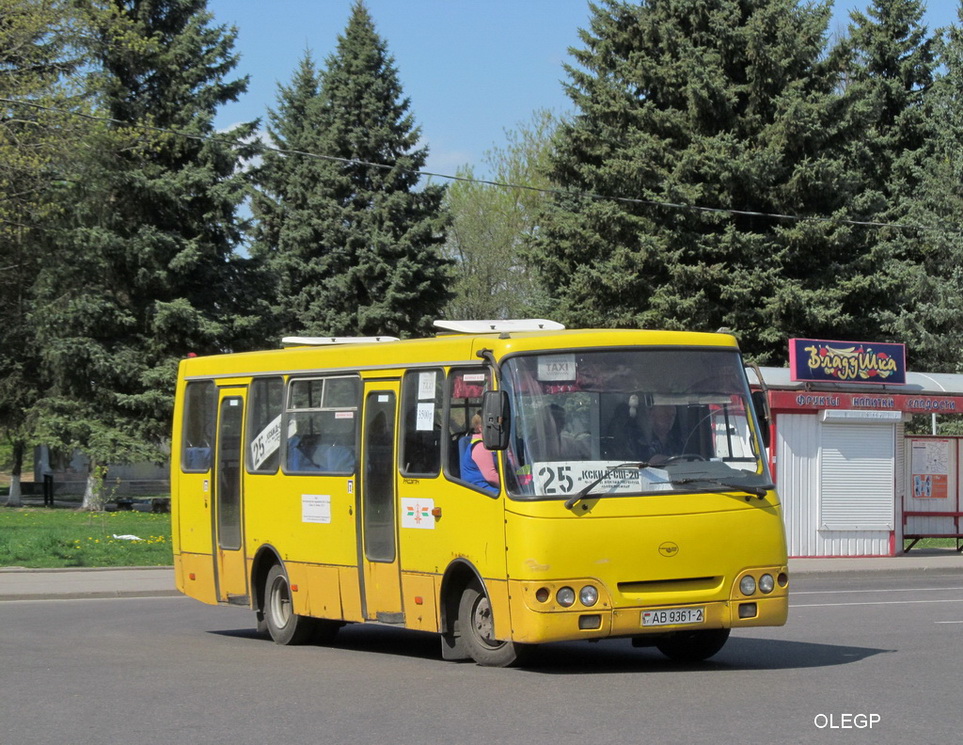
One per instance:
(422, 411)
(465, 389)
(266, 399)
(322, 425)
(200, 415)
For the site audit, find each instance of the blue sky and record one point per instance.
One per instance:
(472, 68)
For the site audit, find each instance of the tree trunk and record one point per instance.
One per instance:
(94, 490)
(14, 499)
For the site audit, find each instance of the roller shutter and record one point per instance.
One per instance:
(857, 476)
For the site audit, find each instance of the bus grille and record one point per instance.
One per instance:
(670, 589)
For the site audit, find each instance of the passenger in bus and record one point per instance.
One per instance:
(570, 445)
(301, 453)
(476, 461)
(338, 455)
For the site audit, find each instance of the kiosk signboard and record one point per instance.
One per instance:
(847, 361)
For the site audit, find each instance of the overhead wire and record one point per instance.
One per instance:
(732, 211)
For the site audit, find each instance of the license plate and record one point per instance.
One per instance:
(673, 616)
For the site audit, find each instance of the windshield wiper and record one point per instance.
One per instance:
(757, 491)
(584, 492)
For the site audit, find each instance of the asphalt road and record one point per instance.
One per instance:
(873, 659)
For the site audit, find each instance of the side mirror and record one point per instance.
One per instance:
(495, 420)
(761, 404)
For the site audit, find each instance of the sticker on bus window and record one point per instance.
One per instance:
(416, 513)
(556, 367)
(426, 386)
(344, 415)
(425, 417)
(266, 443)
(316, 508)
(566, 478)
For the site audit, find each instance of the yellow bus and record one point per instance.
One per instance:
(503, 484)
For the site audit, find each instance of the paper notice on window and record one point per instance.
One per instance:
(426, 386)
(266, 443)
(425, 416)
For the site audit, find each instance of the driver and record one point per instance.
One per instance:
(664, 440)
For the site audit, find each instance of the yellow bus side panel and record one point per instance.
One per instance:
(350, 593)
(419, 593)
(194, 576)
(315, 590)
(324, 591)
(282, 511)
(468, 526)
(192, 518)
(501, 610)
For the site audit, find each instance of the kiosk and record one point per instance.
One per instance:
(852, 482)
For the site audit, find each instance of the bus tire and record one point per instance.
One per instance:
(693, 646)
(283, 624)
(476, 625)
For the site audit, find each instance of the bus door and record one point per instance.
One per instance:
(229, 561)
(377, 506)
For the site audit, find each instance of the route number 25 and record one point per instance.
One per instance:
(556, 480)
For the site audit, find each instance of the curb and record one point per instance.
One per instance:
(92, 595)
(22, 583)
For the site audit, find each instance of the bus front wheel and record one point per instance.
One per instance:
(283, 624)
(477, 628)
(693, 646)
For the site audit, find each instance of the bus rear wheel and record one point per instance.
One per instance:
(693, 646)
(477, 627)
(283, 624)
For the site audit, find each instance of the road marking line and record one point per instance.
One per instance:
(878, 602)
(947, 621)
(854, 592)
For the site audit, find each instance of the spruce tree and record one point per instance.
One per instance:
(351, 239)
(898, 161)
(143, 269)
(37, 133)
(288, 207)
(698, 125)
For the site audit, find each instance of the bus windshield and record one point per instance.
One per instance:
(631, 421)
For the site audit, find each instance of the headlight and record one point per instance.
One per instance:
(565, 597)
(747, 585)
(588, 596)
(766, 583)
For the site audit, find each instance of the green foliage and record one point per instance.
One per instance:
(351, 242)
(36, 58)
(903, 161)
(490, 224)
(56, 538)
(143, 270)
(726, 105)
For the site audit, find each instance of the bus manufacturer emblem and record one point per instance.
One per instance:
(669, 549)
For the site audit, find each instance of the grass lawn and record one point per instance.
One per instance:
(38, 537)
